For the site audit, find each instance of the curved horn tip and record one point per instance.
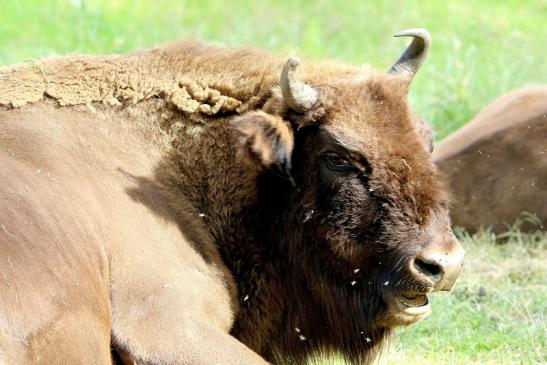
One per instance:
(298, 96)
(415, 53)
(414, 32)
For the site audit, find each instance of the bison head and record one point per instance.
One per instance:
(366, 223)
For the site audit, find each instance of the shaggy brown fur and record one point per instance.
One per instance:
(133, 214)
(497, 163)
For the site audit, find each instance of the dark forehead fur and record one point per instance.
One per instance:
(371, 117)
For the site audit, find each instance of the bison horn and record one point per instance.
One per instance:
(412, 58)
(297, 95)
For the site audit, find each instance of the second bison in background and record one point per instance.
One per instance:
(497, 164)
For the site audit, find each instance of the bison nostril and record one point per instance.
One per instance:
(431, 269)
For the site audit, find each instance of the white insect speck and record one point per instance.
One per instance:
(246, 298)
(302, 338)
(386, 283)
(353, 283)
(356, 270)
(368, 339)
(308, 215)
(297, 329)
(480, 152)
(361, 332)
(202, 215)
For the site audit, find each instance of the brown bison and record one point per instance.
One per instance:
(497, 163)
(199, 205)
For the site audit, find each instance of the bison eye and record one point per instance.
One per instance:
(336, 163)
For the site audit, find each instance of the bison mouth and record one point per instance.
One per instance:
(406, 308)
(414, 300)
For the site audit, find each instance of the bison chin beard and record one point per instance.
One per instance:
(338, 306)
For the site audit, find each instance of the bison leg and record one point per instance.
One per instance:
(170, 340)
(175, 310)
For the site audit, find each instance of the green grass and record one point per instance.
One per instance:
(495, 315)
(481, 49)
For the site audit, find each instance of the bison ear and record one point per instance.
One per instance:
(266, 139)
